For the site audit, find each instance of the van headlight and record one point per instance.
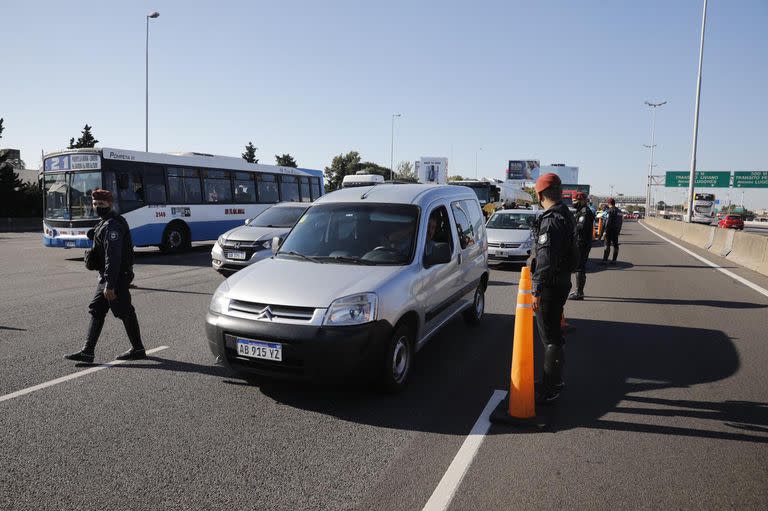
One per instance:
(220, 300)
(526, 244)
(352, 310)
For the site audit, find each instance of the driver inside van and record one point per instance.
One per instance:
(400, 238)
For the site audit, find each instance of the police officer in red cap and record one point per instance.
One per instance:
(585, 220)
(612, 228)
(554, 259)
(112, 257)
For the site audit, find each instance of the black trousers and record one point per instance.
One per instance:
(581, 268)
(551, 303)
(611, 239)
(121, 307)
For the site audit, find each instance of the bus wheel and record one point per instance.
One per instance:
(175, 238)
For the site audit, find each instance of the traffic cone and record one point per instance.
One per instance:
(599, 226)
(520, 407)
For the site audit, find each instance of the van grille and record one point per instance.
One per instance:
(267, 311)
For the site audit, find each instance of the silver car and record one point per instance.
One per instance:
(510, 235)
(366, 277)
(244, 245)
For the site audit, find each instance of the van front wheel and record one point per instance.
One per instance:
(475, 312)
(398, 360)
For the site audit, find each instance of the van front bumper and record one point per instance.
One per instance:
(309, 352)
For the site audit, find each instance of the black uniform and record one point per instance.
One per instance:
(113, 255)
(551, 279)
(612, 227)
(585, 220)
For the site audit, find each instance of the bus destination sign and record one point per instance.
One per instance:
(758, 179)
(703, 179)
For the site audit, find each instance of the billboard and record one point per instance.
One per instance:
(566, 173)
(522, 170)
(432, 169)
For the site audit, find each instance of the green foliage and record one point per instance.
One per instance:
(285, 160)
(17, 199)
(532, 192)
(341, 165)
(406, 172)
(456, 178)
(250, 153)
(86, 139)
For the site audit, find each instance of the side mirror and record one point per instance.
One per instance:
(441, 254)
(276, 242)
(247, 221)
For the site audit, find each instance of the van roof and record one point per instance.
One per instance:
(397, 194)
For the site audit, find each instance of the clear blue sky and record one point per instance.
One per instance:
(560, 81)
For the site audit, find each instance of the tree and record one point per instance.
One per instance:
(405, 172)
(532, 192)
(86, 139)
(11, 187)
(456, 178)
(250, 153)
(285, 160)
(1, 127)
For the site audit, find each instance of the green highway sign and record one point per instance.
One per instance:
(750, 179)
(703, 179)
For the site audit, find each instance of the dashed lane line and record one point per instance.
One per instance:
(716, 266)
(50, 383)
(446, 489)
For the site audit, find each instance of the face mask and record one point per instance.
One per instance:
(103, 211)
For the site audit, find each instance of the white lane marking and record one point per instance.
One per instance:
(72, 376)
(443, 495)
(739, 278)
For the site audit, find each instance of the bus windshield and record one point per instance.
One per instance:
(68, 195)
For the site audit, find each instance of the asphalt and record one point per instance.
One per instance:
(666, 404)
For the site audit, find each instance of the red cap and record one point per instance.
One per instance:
(580, 196)
(611, 202)
(99, 194)
(547, 180)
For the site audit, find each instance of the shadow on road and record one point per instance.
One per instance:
(457, 371)
(723, 304)
(13, 328)
(198, 255)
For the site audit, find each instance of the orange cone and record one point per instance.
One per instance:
(521, 392)
(599, 226)
(521, 406)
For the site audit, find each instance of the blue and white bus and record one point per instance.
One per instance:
(169, 200)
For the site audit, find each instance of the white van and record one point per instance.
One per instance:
(364, 279)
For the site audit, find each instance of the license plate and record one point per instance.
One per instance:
(258, 349)
(237, 255)
(70, 244)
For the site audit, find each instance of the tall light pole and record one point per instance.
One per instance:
(692, 182)
(653, 106)
(478, 150)
(392, 149)
(151, 15)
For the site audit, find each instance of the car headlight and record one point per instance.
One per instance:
(220, 300)
(221, 240)
(267, 244)
(352, 310)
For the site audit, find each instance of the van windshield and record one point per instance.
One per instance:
(350, 233)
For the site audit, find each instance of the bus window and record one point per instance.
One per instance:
(184, 186)
(218, 187)
(154, 184)
(289, 188)
(245, 192)
(304, 184)
(315, 187)
(267, 188)
(131, 186)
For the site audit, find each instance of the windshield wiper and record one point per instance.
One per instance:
(353, 260)
(308, 258)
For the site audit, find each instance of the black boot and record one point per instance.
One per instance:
(554, 360)
(88, 352)
(137, 350)
(615, 254)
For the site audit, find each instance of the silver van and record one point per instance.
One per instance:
(364, 279)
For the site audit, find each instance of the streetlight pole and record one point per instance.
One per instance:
(653, 106)
(692, 182)
(152, 15)
(477, 151)
(392, 150)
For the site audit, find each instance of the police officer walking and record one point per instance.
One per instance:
(553, 261)
(612, 227)
(112, 257)
(585, 220)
